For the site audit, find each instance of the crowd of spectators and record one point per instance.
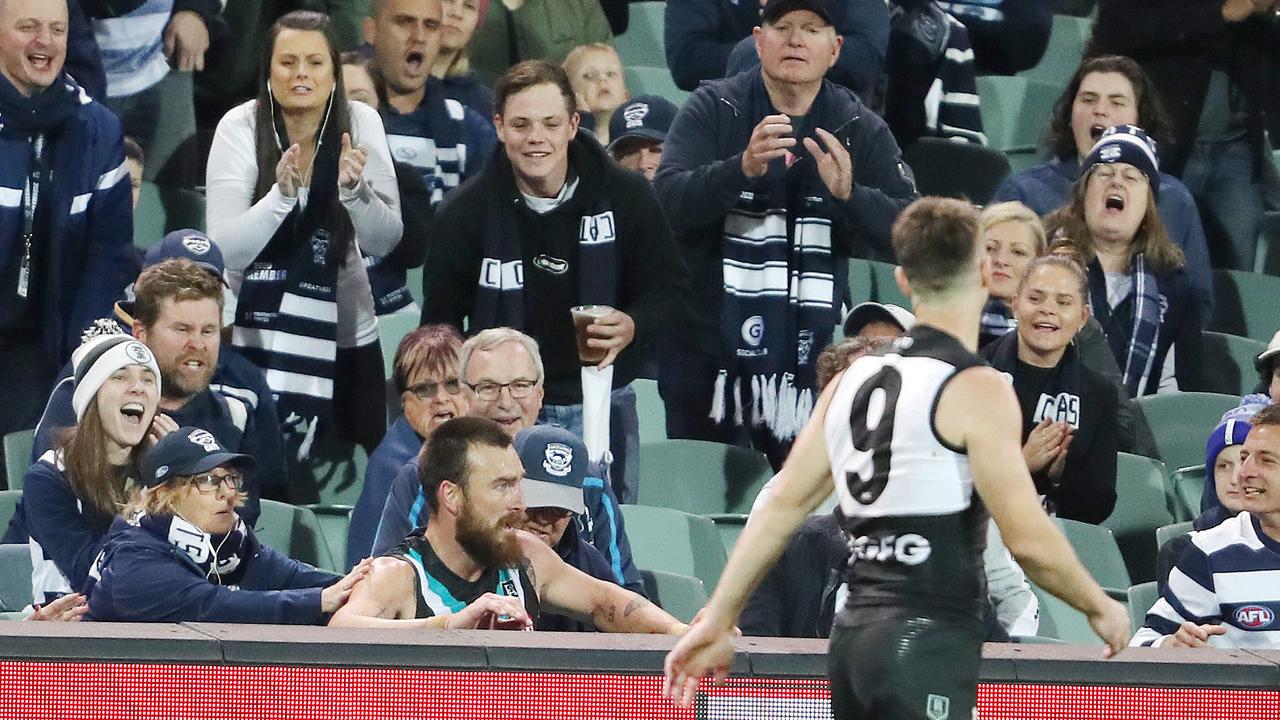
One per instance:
(482, 170)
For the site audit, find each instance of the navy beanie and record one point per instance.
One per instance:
(1127, 144)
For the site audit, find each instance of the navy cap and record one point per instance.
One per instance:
(645, 117)
(555, 466)
(192, 245)
(188, 451)
(775, 9)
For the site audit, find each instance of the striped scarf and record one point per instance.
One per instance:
(1141, 337)
(997, 321)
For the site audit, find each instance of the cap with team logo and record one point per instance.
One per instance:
(644, 117)
(555, 466)
(192, 245)
(188, 451)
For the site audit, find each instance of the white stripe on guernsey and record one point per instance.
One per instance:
(283, 343)
(1197, 599)
(299, 384)
(111, 177)
(310, 308)
(80, 203)
(755, 279)
(1257, 586)
(956, 55)
(960, 98)
(45, 575)
(433, 599)
(245, 394)
(10, 197)
(1235, 531)
(455, 109)
(130, 32)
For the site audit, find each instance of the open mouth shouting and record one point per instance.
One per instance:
(1096, 131)
(415, 61)
(1115, 202)
(134, 413)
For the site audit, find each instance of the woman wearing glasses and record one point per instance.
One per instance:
(180, 553)
(1138, 288)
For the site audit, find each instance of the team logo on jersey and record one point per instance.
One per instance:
(1254, 617)
(804, 347)
(405, 152)
(204, 439)
(753, 330)
(559, 459)
(938, 707)
(319, 246)
(1063, 407)
(197, 244)
(555, 266)
(508, 588)
(908, 549)
(137, 352)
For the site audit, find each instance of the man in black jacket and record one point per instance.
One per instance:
(551, 223)
(771, 179)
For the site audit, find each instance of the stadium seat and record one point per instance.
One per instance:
(391, 329)
(956, 169)
(8, 506)
(681, 595)
(334, 521)
(1165, 533)
(1181, 422)
(674, 541)
(1237, 377)
(860, 282)
(1244, 303)
(413, 281)
(729, 526)
(646, 80)
(642, 43)
(885, 286)
(1097, 549)
(295, 532)
(15, 577)
(148, 217)
(1269, 243)
(1066, 46)
(1186, 485)
(651, 410)
(1016, 112)
(17, 456)
(1060, 621)
(1142, 505)
(701, 477)
(1141, 597)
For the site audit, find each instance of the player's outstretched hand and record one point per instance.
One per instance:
(706, 648)
(1111, 623)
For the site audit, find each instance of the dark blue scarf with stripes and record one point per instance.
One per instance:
(1141, 336)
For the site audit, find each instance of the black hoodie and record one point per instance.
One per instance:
(651, 276)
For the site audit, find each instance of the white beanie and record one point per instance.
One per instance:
(98, 357)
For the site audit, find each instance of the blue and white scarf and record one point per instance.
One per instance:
(1139, 354)
(997, 321)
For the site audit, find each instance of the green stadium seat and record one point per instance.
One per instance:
(148, 217)
(642, 43)
(1181, 422)
(15, 577)
(1141, 597)
(956, 169)
(1060, 621)
(1245, 304)
(1165, 533)
(183, 208)
(681, 595)
(334, 521)
(1097, 549)
(1269, 243)
(1187, 487)
(701, 477)
(651, 410)
(391, 329)
(674, 541)
(294, 531)
(885, 285)
(1062, 56)
(1237, 377)
(8, 506)
(17, 456)
(332, 475)
(646, 80)
(1142, 505)
(729, 526)
(1016, 111)
(413, 280)
(860, 282)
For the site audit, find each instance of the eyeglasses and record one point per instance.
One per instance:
(427, 390)
(210, 483)
(548, 513)
(1130, 177)
(489, 391)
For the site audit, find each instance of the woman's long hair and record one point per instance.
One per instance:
(1151, 239)
(93, 478)
(271, 138)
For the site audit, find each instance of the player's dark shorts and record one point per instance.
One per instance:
(902, 665)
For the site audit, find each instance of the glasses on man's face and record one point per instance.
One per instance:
(427, 390)
(1129, 176)
(210, 483)
(489, 391)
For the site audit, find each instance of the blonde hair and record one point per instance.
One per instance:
(576, 55)
(1014, 211)
(164, 499)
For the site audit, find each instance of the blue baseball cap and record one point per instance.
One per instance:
(555, 466)
(191, 244)
(188, 451)
(644, 117)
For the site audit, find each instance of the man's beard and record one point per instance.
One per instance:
(490, 546)
(175, 386)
